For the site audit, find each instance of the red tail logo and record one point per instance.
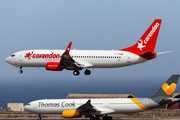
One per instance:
(145, 41)
(140, 45)
(148, 40)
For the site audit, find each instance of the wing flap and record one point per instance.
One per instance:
(83, 64)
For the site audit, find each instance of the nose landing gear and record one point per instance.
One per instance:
(20, 71)
(39, 117)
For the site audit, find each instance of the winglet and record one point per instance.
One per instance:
(88, 102)
(68, 48)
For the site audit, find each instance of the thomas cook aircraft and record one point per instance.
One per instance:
(57, 60)
(94, 108)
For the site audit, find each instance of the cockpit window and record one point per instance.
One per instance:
(13, 55)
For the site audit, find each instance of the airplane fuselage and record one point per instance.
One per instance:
(106, 106)
(93, 108)
(57, 60)
(95, 58)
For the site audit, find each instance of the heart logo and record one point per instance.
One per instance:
(169, 89)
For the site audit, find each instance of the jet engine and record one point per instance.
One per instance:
(54, 66)
(71, 114)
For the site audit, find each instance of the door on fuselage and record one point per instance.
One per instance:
(128, 57)
(21, 58)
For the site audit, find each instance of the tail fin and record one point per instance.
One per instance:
(167, 88)
(146, 44)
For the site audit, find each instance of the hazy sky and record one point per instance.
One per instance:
(89, 24)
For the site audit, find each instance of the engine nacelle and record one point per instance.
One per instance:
(53, 66)
(71, 114)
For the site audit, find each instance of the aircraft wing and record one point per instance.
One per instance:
(66, 59)
(89, 108)
(69, 62)
(86, 107)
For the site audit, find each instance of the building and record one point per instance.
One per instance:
(15, 106)
(83, 96)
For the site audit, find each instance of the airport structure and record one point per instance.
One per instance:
(15, 106)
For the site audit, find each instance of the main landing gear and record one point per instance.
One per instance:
(103, 118)
(86, 72)
(107, 118)
(76, 72)
(94, 118)
(20, 71)
(39, 117)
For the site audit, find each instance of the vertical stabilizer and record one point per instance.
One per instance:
(146, 44)
(167, 88)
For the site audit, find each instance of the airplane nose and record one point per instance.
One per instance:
(25, 107)
(7, 60)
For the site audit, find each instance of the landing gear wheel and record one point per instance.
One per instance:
(76, 72)
(94, 118)
(39, 117)
(20, 71)
(107, 118)
(97, 118)
(87, 72)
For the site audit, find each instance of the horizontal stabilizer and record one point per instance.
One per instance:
(165, 101)
(164, 52)
(148, 55)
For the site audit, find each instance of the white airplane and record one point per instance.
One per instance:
(94, 108)
(57, 60)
